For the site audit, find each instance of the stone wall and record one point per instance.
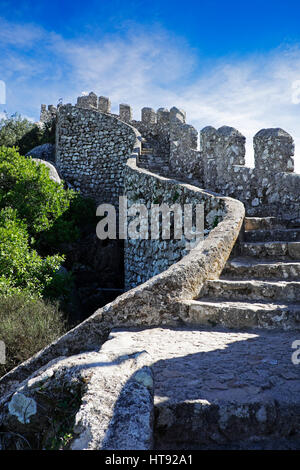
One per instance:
(145, 258)
(158, 300)
(48, 114)
(154, 127)
(91, 151)
(271, 188)
(184, 157)
(173, 143)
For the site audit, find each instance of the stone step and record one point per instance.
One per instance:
(146, 147)
(294, 223)
(216, 388)
(262, 223)
(272, 235)
(245, 290)
(185, 387)
(239, 314)
(278, 249)
(245, 268)
(145, 158)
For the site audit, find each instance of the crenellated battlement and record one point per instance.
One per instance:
(270, 186)
(273, 149)
(103, 104)
(47, 115)
(170, 148)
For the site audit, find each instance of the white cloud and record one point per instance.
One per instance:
(19, 35)
(154, 68)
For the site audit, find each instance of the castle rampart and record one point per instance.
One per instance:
(147, 258)
(171, 284)
(47, 115)
(101, 154)
(271, 187)
(91, 151)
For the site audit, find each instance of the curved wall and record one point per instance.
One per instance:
(156, 301)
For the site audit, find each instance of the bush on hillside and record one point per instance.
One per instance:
(52, 214)
(36, 216)
(27, 187)
(19, 263)
(26, 326)
(38, 135)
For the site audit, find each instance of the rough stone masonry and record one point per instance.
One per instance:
(213, 387)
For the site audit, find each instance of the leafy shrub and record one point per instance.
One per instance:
(36, 215)
(7, 288)
(51, 213)
(16, 131)
(26, 326)
(27, 187)
(36, 212)
(19, 263)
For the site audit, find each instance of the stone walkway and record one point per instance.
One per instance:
(167, 388)
(216, 387)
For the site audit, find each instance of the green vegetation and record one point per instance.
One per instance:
(16, 131)
(26, 187)
(19, 263)
(26, 326)
(37, 218)
(51, 214)
(63, 405)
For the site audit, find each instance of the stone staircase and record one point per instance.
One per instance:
(152, 162)
(260, 285)
(243, 393)
(225, 382)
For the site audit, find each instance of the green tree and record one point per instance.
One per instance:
(17, 131)
(26, 187)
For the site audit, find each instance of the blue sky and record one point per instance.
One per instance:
(235, 63)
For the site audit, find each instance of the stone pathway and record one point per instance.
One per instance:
(216, 388)
(233, 388)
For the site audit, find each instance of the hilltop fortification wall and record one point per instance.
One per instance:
(270, 188)
(145, 258)
(88, 140)
(91, 151)
(93, 145)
